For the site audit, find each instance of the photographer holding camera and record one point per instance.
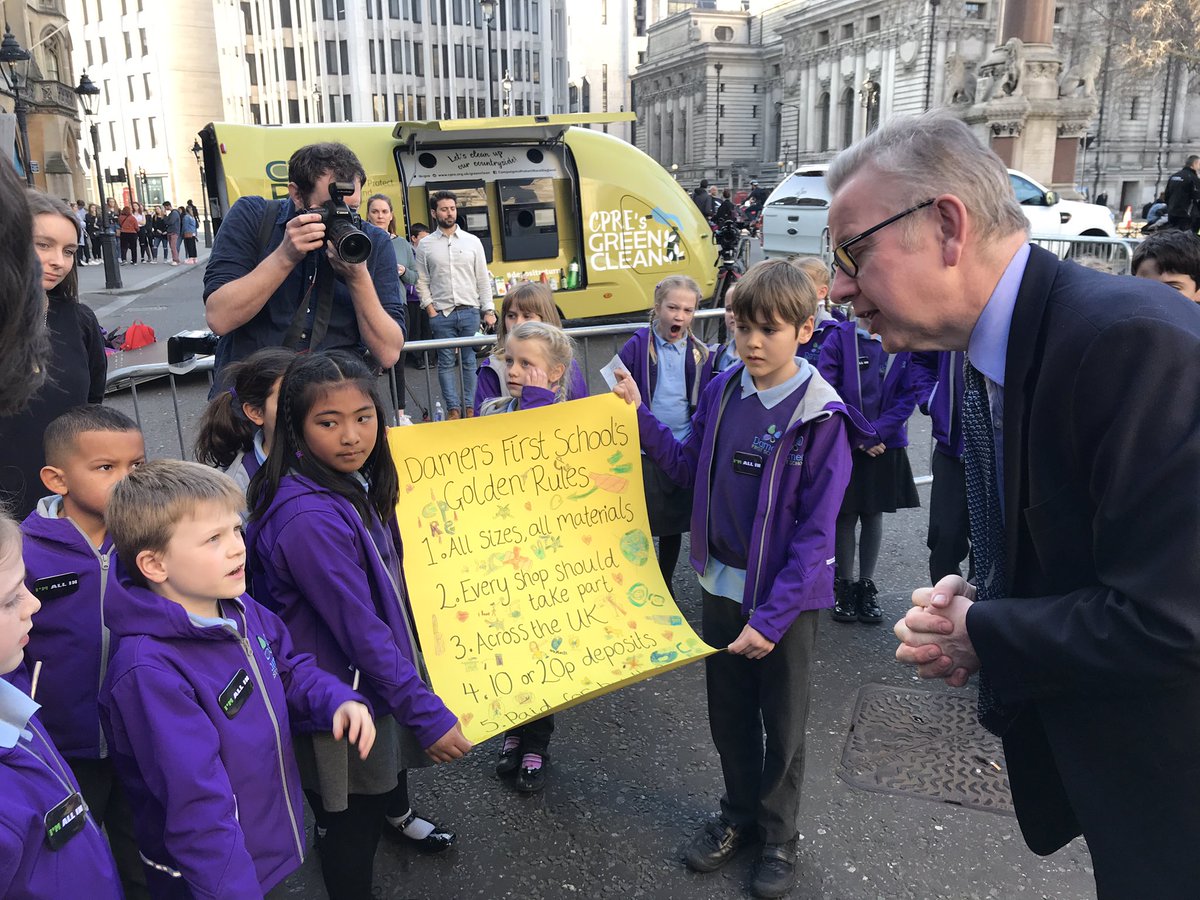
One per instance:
(267, 285)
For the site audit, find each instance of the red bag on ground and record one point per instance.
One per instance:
(139, 335)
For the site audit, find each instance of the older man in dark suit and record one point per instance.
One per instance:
(1081, 417)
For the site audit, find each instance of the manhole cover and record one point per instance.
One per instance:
(925, 744)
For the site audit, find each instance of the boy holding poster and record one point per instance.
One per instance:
(771, 438)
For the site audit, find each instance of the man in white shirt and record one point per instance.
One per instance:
(455, 291)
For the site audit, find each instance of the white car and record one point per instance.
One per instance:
(796, 216)
(1050, 214)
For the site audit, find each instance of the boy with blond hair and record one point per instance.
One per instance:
(204, 689)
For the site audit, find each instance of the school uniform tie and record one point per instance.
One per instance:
(987, 522)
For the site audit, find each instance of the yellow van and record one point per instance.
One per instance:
(590, 215)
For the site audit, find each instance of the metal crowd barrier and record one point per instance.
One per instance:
(189, 353)
(1113, 254)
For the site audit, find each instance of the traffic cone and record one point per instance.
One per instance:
(1127, 219)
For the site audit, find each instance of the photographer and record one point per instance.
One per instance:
(267, 285)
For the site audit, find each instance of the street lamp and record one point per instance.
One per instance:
(11, 53)
(675, 171)
(88, 95)
(779, 104)
(933, 8)
(507, 86)
(868, 94)
(198, 152)
(717, 141)
(489, 11)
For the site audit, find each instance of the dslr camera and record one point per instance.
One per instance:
(342, 224)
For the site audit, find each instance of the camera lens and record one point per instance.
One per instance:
(348, 242)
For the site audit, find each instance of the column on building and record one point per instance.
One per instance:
(681, 101)
(860, 75)
(814, 94)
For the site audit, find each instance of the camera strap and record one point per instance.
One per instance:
(323, 287)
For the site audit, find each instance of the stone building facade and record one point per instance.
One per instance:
(806, 78)
(49, 93)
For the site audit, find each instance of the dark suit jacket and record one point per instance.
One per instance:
(1099, 644)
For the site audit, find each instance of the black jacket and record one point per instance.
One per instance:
(1183, 189)
(1098, 645)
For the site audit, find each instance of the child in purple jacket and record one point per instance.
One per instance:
(203, 692)
(883, 388)
(530, 302)
(537, 362)
(70, 567)
(670, 366)
(235, 430)
(769, 456)
(326, 555)
(50, 845)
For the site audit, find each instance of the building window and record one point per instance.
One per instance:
(379, 107)
(461, 107)
(437, 65)
(87, 45)
(754, 111)
(344, 52)
(846, 112)
(976, 11)
(459, 63)
(1133, 108)
(371, 54)
(146, 86)
(153, 133)
(1058, 15)
(331, 60)
(458, 20)
(129, 82)
(128, 46)
(293, 111)
(535, 18)
(847, 31)
(145, 43)
(723, 33)
(289, 64)
(398, 56)
(437, 108)
(720, 140)
(823, 121)
(479, 64)
(754, 139)
(394, 13)
(112, 137)
(418, 59)
(137, 135)
(346, 107)
(252, 67)
(872, 24)
(537, 68)
(823, 38)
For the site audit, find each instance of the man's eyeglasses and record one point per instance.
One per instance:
(844, 259)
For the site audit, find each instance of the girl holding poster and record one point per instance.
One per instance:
(537, 359)
(325, 556)
(529, 302)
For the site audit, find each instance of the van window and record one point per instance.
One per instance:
(803, 188)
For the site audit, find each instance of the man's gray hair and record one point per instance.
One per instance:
(934, 154)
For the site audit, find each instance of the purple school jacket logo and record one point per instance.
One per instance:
(266, 649)
(765, 443)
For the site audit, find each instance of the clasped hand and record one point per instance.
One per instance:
(933, 634)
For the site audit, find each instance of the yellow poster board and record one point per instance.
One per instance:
(530, 568)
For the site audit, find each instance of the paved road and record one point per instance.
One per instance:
(633, 773)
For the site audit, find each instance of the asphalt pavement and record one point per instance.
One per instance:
(633, 773)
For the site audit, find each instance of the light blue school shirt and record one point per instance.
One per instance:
(670, 400)
(16, 709)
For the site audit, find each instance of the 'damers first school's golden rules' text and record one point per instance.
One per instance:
(531, 572)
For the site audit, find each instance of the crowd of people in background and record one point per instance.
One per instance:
(142, 232)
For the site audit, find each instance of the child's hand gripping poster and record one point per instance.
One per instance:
(531, 572)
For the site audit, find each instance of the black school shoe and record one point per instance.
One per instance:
(865, 593)
(532, 779)
(776, 870)
(714, 845)
(437, 841)
(509, 761)
(845, 609)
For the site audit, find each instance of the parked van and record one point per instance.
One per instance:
(592, 216)
(796, 217)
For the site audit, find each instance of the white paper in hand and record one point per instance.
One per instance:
(610, 371)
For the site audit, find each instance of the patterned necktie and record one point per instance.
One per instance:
(987, 522)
